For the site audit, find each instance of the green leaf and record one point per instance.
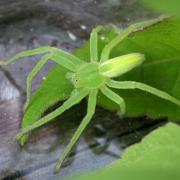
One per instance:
(164, 6)
(157, 157)
(159, 43)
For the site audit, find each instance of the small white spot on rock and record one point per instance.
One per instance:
(72, 36)
(83, 27)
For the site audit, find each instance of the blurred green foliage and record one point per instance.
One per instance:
(157, 157)
(164, 6)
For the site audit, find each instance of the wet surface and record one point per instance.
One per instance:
(65, 24)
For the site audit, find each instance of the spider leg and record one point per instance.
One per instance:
(82, 126)
(125, 33)
(31, 75)
(60, 55)
(66, 59)
(114, 97)
(143, 87)
(38, 67)
(76, 97)
(94, 43)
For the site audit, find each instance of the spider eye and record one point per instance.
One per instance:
(74, 81)
(71, 77)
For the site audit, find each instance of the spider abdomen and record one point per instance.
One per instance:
(121, 64)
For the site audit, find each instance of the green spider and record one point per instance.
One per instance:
(90, 77)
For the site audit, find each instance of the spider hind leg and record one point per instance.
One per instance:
(143, 87)
(75, 98)
(114, 97)
(82, 126)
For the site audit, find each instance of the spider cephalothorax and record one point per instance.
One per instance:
(85, 76)
(90, 77)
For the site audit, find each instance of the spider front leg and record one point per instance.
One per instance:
(54, 57)
(23, 54)
(75, 98)
(63, 58)
(143, 87)
(114, 97)
(125, 33)
(94, 43)
(82, 126)
(30, 77)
